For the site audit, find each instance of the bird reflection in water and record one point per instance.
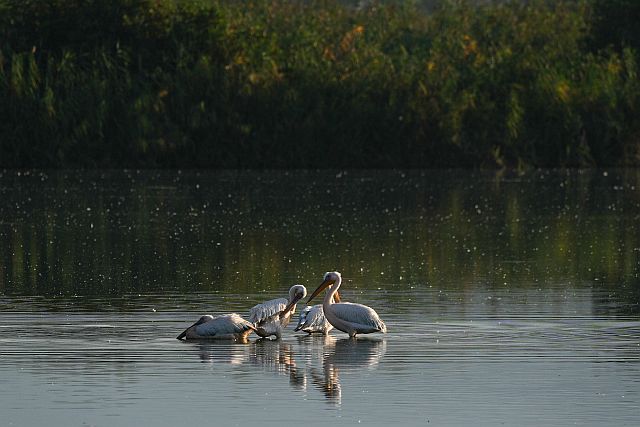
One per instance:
(340, 356)
(278, 356)
(321, 360)
(225, 352)
(273, 356)
(329, 384)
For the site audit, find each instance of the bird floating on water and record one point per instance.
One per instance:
(271, 317)
(227, 326)
(345, 316)
(312, 319)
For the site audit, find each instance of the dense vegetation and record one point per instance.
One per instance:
(188, 83)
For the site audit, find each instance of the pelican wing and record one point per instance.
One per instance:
(261, 312)
(312, 319)
(302, 320)
(227, 324)
(359, 314)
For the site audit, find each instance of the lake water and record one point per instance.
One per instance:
(510, 300)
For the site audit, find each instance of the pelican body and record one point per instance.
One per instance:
(271, 317)
(227, 326)
(312, 319)
(345, 316)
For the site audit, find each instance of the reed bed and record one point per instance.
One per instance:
(294, 84)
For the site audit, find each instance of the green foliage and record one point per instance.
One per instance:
(163, 83)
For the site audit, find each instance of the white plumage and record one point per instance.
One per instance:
(312, 320)
(271, 317)
(344, 316)
(261, 312)
(362, 319)
(227, 326)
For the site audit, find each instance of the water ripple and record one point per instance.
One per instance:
(557, 368)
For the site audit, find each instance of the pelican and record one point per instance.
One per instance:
(312, 319)
(345, 316)
(227, 326)
(271, 317)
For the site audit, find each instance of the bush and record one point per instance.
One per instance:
(186, 83)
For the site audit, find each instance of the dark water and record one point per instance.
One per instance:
(509, 299)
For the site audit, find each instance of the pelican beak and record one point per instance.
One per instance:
(291, 305)
(321, 288)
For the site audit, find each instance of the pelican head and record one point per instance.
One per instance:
(296, 293)
(201, 320)
(330, 278)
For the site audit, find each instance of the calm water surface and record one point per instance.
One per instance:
(510, 300)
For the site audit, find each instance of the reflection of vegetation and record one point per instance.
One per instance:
(281, 83)
(120, 233)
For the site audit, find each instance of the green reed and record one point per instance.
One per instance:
(188, 83)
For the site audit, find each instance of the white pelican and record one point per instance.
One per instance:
(312, 319)
(227, 326)
(271, 317)
(345, 316)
